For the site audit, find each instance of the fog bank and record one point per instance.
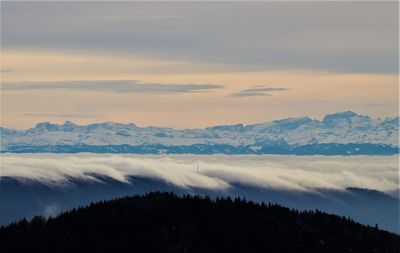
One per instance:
(303, 173)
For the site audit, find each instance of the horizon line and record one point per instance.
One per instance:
(188, 128)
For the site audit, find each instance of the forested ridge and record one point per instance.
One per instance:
(165, 222)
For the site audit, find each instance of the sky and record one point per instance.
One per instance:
(197, 64)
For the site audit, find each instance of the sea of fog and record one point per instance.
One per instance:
(299, 173)
(364, 188)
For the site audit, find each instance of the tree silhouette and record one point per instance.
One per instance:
(164, 222)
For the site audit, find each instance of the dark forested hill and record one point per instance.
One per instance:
(164, 222)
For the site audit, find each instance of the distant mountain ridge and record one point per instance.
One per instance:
(343, 133)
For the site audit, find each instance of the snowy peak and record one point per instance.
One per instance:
(334, 119)
(331, 118)
(348, 120)
(292, 121)
(46, 126)
(69, 126)
(237, 127)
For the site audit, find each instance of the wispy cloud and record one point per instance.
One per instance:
(320, 101)
(257, 91)
(154, 17)
(128, 28)
(3, 71)
(58, 115)
(372, 105)
(113, 86)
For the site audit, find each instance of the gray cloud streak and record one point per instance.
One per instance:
(59, 115)
(332, 36)
(3, 71)
(113, 86)
(257, 91)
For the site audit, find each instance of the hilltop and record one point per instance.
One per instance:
(164, 222)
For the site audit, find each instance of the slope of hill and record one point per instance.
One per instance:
(345, 133)
(27, 198)
(163, 222)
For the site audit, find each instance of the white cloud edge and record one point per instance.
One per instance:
(216, 172)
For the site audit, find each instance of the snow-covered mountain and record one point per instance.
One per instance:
(339, 133)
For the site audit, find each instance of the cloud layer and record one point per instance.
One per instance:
(215, 172)
(59, 115)
(113, 86)
(328, 36)
(257, 91)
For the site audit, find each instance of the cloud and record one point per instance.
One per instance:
(150, 17)
(113, 86)
(257, 91)
(294, 35)
(3, 71)
(58, 115)
(51, 210)
(372, 105)
(216, 172)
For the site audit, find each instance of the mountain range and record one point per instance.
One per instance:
(343, 133)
